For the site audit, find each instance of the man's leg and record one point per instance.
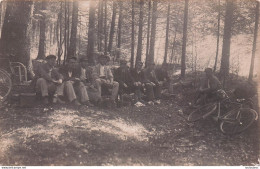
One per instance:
(70, 92)
(115, 87)
(158, 91)
(42, 87)
(83, 93)
(149, 91)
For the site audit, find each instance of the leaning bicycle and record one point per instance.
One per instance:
(234, 117)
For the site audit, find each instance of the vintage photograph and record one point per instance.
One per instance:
(129, 83)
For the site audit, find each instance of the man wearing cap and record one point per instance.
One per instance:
(124, 78)
(152, 84)
(138, 76)
(104, 77)
(209, 86)
(50, 80)
(73, 84)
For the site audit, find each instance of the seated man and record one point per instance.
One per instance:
(152, 85)
(87, 77)
(104, 77)
(50, 81)
(208, 88)
(72, 83)
(163, 77)
(138, 76)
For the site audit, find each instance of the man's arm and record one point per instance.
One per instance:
(44, 74)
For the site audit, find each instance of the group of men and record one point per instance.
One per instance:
(82, 84)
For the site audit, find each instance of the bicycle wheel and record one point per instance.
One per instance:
(5, 85)
(202, 112)
(238, 120)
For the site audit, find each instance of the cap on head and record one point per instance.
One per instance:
(83, 59)
(50, 57)
(72, 58)
(103, 56)
(208, 70)
(123, 61)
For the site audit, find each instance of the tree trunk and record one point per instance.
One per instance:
(73, 34)
(148, 32)
(105, 27)
(133, 36)
(100, 25)
(216, 59)
(112, 28)
(167, 34)
(16, 30)
(119, 28)
(224, 67)
(153, 33)
(184, 39)
(42, 42)
(254, 42)
(91, 33)
(140, 34)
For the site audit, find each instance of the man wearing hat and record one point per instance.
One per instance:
(104, 77)
(152, 84)
(50, 80)
(124, 78)
(74, 87)
(209, 86)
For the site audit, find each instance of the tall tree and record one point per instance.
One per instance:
(91, 32)
(153, 34)
(148, 32)
(140, 33)
(254, 42)
(184, 39)
(105, 26)
(112, 28)
(224, 67)
(167, 33)
(216, 58)
(100, 25)
(42, 43)
(120, 20)
(133, 36)
(73, 35)
(15, 35)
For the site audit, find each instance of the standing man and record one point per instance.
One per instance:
(50, 80)
(73, 84)
(152, 84)
(104, 78)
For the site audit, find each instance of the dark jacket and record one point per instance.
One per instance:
(138, 76)
(162, 74)
(150, 76)
(75, 72)
(122, 75)
(48, 73)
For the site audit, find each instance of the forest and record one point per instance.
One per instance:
(187, 35)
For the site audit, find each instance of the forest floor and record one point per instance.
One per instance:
(150, 135)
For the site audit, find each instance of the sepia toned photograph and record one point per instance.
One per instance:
(129, 83)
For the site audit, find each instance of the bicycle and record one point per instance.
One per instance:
(237, 119)
(8, 77)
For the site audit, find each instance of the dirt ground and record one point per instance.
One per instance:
(151, 135)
